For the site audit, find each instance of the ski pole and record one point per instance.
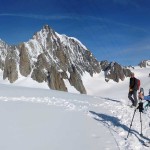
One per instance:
(131, 122)
(141, 123)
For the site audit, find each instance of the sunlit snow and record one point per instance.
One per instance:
(33, 117)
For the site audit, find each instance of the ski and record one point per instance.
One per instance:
(147, 144)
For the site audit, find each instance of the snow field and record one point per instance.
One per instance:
(39, 118)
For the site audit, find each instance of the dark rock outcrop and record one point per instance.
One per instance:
(76, 78)
(114, 71)
(55, 80)
(24, 64)
(144, 63)
(10, 67)
(3, 52)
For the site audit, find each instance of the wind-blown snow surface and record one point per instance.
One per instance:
(36, 118)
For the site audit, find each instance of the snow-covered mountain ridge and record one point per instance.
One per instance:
(145, 63)
(49, 57)
(56, 60)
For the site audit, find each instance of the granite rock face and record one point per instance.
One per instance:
(144, 63)
(10, 65)
(3, 52)
(24, 64)
(114, 71)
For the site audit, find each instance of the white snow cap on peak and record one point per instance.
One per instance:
(148, 63)
(64, 38)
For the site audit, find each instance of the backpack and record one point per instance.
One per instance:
(138, 83)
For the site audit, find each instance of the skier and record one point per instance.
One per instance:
(132, 95)
(142, 97)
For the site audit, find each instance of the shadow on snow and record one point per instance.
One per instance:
(114, 100)
(106, 119)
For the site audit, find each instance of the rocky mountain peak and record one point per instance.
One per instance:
(114, 71)
(55, 59)
(144, 63)
(46, 27)
(50, 57)
(47, 30)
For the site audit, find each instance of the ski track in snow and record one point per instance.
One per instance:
(68, 104)
(119, 124)
(117, 120)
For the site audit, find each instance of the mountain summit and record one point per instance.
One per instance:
(49, 57)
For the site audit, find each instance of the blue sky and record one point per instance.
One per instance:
(113, 30)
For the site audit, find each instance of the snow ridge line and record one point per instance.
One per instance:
(72, 105)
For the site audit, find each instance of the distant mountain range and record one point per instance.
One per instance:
(54, 58)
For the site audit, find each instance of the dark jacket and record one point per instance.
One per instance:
(133, 84)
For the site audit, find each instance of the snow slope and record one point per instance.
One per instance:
(36, 118)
